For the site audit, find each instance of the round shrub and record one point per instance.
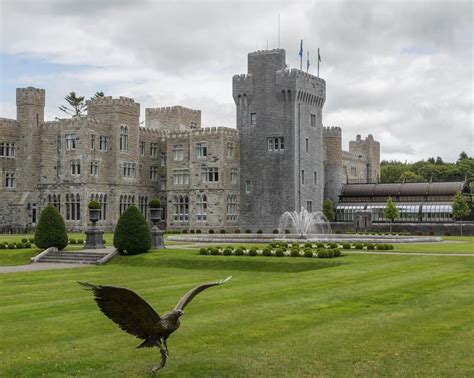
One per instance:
(252, 252)
(132, 233)
(337, 252)
(330, 253)
(237, 231)
(230, 247)
(184, 231)
(211, 231)
(239, 251)
(50, 231)
(308, 245)
(11, 246)
(31, 240)
(322, 253)
(295, 253)
(93, 205)
(259, 232)
(287, 231)
(273, 244)
(284, 245)
(247, 231)
(320, 245)
(192, 231)
(72, 241)
(358, 246)
(267, 252)
(227, 252)
(155, 203)
(20, 245)
(370, 246)
(24, 240)
(279, 253)
(380, 247)
(346, 246)
(2, 246)
(388, 247)
(214, 251)
(333, 245)
(198, 231)
(308, 253)
(222, 231)
(80, 241)
(275, 231)
(203, 251)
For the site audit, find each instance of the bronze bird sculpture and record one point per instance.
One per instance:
(136, 317)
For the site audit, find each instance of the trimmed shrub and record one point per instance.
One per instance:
(320, 245)
(185, 231)
(20, 245)
(155, 203)
(308, 245)
(279, 253)
(24, 240)
(72, 241)
(230, 247)
(2, 246)
(237, 231)
(80, 241)
(132, 233)
(346, 246)
(222, 231)
(252, 252)
(259, 231)
(284, 245)
(337, 252)
(330, 253)
(93, 205)
(51, 231)
(273, 244)
(227, 252)
(308, 253)
(322, 253)
(214, 251)
(31, 240)
(275, 231)
(267, 252)
(295, 252)
(247, 231)
(239, 251)
(370, 246)
(192, 231)
(211, 231)
(380, 247)
(198, 231)
(203, 251)
(11, 246)
(287, 231)
(358, 246)
(333, 245)
(388, 247)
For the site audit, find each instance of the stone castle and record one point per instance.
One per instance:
(279, 158)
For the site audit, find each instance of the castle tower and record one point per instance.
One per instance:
(333, 172)
(279, 119)
(173, 118)
(370, 149)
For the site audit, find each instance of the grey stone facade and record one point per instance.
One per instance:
(280, 158)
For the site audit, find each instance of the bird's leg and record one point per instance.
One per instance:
(166, 347)
(164, 358)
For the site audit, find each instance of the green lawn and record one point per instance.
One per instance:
(358, 315)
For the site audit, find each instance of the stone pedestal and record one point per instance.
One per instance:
(94, 238)
(157, 238)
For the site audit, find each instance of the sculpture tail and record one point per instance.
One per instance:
(148, 343)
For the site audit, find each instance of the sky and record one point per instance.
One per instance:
(399, 70)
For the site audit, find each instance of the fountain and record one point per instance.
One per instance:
(304, 224)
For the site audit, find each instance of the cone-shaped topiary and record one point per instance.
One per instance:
(51, 231)
(132, 233)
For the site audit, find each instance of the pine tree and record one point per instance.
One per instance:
(132, 233)
(51, 231)
(460, 207)
(391, 211)
(78, 107)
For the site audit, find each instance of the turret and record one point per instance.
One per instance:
(370, 149)
(173, 118)
(122, 110)
(333, 172)
(30, 106)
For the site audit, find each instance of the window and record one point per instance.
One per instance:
(142, 148)
(129, 169)
(125, 201)
(93, 142)
(210, 174)
(123, 138)
(194, 125)
(353, 171)
(315, 178)
(73, 207)
(201, 150)
(302, 176)
(181, 176)
(231, 207)
(276, 144)
(75, 166)
(313, 120)
(58, 143)
(162, 183)
(103, 143)
(233, 175)
(307, 144)
(143, 206)
(55, 200)
(180, 208)
(153, 149)
(7, 149)
(94, 167)
(178, 152)
(309, 206)
(230, 150)
(9, 179)
(102, 199)
(154, 173)
(253, 119)
(201, 207)
(163, 159)
(70, 141)
(248, 187)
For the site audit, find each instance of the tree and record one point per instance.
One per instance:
(463, 156)
(78, 107)
(439, 160)
(328, 210)
(460, 207)
(97, 95)
(409, 176)
(391, 211)
(132, 233)
(51, 231)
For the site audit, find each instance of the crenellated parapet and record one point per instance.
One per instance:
(332, 132)
(83, 121)
(10, 123)
(172, 109)
(205, 132)
(242, 88)
(301, 86)
(173, 118)
(108, 104)
(30, 96)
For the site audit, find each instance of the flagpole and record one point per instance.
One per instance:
(318, 61)
(301, 56)
(307, 64)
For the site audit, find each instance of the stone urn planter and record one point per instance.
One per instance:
(155, 215)
(94, 236)
(94, 215)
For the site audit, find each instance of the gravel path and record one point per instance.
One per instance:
(39, 266)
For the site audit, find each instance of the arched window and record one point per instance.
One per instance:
(143, 204)
(180, 208)
(123, 138)
(201, 207)
(231, 207)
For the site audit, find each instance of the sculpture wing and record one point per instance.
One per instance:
(125, 308)
(193, 292)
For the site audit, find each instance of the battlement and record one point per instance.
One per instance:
(6, 122)
(204, 132)
(110, 101)
(82, 121)
(172, 109)
(242, 85)
(368, 140)
(30, 96)
(266, 52)
(332, 132)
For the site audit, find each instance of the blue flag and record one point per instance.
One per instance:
(319, 56)
(301, 50)
(307, 63)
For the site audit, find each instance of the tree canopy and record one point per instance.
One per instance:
(77, 106)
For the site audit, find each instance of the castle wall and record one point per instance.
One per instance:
(173, 118)
(333, 171)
